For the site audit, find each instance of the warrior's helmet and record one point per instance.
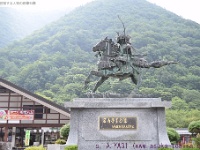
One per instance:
(123, 39)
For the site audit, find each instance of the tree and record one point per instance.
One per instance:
(194, 127)
(178, 104)
(181, 118)
(197, 141)
(173, 135)
(64, 131)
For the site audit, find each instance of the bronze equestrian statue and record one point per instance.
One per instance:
(119, 60)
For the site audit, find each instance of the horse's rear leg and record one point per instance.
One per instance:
(102, 79)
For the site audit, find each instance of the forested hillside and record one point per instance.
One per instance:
(16, 23)
(55, 60)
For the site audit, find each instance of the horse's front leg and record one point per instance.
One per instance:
(101, 80)
(95, 73)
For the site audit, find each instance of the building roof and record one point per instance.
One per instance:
(34, 97)
(182, 131)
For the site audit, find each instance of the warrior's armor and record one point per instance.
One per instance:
(116, 54)
(125, 51)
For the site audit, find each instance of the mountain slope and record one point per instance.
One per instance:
(56, 59)
(16, 24)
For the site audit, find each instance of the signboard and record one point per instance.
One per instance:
(113, 123)
(27, 137)
(16, 114)
(3, 114)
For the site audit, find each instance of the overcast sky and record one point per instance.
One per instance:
(188, 9)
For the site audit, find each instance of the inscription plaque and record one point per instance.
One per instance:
(112, 123)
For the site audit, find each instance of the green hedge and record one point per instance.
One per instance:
(60, 141)
(163, 148)
(71, 147)
(190, 149)
(35, 148)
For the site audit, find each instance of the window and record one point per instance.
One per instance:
(46, 110)
(38, 110)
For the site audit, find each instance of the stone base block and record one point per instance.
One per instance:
(118, 123)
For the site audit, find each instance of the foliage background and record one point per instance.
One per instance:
(55, 60)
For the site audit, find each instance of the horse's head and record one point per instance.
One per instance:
(102, 45)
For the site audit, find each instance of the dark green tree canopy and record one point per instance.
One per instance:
(194, 127)
(173, 135)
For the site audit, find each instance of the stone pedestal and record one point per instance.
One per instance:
(5, 146)
(118, 123)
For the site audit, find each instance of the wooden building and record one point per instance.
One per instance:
(21, 110)
(185, 136)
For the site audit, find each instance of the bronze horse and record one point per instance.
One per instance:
(118, 61)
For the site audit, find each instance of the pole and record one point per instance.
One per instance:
(42, 137)
(5, 134)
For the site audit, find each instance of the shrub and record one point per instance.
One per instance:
(163, 148)
(71, 147)
(173, 135)
(60, 141)
(64, 131)
(188, 145)
(189, 148)
(194, 127)
(197, 141)
(35, 148)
